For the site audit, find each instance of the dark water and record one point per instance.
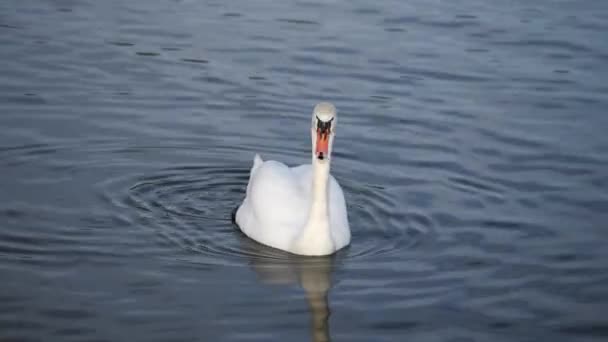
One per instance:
(472, 149)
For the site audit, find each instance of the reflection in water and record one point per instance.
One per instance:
(313, 274)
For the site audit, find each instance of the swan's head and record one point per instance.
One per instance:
(323, 129)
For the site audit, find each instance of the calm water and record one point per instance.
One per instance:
(472, 149)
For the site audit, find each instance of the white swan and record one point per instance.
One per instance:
(299, 209)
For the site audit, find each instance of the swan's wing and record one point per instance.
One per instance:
(274, 208)
(257, 162)
(338, 215)
(276, 197)
(303, 174)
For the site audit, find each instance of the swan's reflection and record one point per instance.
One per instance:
(313, 274)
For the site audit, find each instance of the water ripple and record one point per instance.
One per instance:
(190, 207)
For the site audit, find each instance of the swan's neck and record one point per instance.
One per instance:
(315, 238)
(318, 206)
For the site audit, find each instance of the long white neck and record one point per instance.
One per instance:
(315, 238)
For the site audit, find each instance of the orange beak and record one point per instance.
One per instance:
(322, 144)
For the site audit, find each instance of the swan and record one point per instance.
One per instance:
(299, 209)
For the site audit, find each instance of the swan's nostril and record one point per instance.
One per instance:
(320, 156)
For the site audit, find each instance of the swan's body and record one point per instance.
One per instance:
(299, 209)
(276, 208)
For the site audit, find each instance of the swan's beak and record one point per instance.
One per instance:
(323, 132)
(322, 145)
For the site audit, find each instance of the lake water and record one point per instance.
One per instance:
(472, 149)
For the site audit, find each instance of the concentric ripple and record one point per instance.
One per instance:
(190, 207)
(185, 211)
